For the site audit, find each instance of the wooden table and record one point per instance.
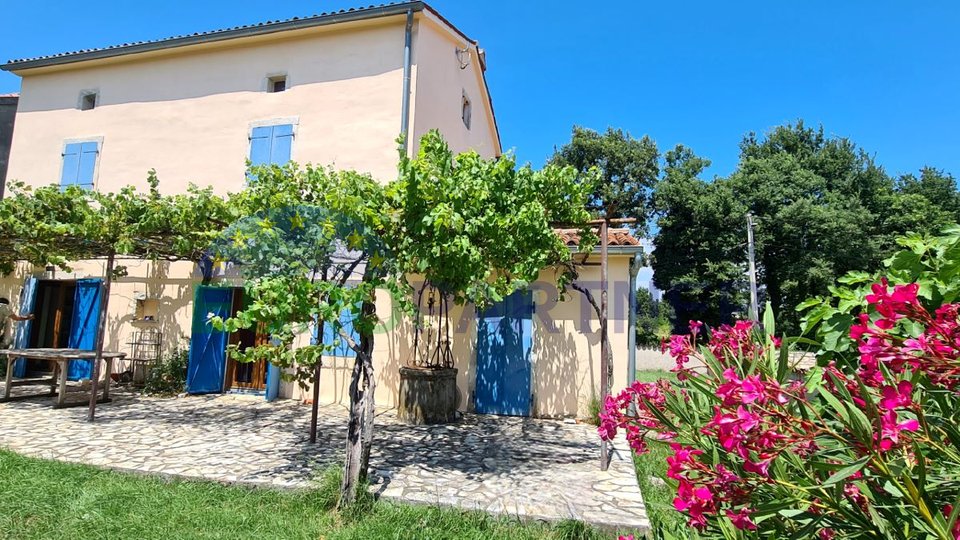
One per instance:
(58, 383)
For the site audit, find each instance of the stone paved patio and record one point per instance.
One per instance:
(532, 469)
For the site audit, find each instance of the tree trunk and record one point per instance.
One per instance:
(366, 435)
(360, 424)
(351, 464)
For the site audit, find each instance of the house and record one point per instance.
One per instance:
(8, 112)
(333, 89)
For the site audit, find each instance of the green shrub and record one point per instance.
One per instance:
(168, 376)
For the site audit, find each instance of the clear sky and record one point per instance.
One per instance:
(885, 73)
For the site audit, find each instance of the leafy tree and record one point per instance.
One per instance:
(476, 228)
(699, 251)
(937, 187)
(310, 245)
(653, 319)
(628, 168)
(480, 229)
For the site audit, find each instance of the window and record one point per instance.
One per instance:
(79, 164)
(88, 100)
(277, 83)
(465, 111)
(271, 145)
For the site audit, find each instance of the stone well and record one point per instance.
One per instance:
(428, 396)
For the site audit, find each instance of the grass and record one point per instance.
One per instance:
(53, 500)
(657, 496)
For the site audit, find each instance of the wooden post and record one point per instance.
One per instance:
(315, 406)
(604, 343)
(101, 331)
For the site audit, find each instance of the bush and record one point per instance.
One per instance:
(168, 376)
(762, 449)
(933, 263)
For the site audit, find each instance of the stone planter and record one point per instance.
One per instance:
(428, 396)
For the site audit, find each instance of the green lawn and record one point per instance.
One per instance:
(657, 497)
(52, 500)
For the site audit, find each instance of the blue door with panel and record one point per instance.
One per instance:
(207, 364)
(83, 327)
(504, 344)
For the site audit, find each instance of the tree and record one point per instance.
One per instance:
(653, 319)
(699, 252)
(476, 228)
(311, 247)
(628, 169)
(479, 229)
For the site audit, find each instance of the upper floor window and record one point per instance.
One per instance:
(271, 145)
(277, 83)
(465, 110)
(80, 164)
(88, 100)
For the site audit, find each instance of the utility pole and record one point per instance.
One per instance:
(754, 311)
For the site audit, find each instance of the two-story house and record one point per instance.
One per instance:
(332, 89)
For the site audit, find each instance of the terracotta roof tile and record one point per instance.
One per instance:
(615, 237)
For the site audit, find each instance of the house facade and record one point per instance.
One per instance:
(335, 90)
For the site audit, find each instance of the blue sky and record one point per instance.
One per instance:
(884, 73)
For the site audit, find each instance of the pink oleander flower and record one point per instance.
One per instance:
(826, 534)
(625, 537)
(741, 519)
(890, 430)
(697, 502)
(682, 459)
(895, 397)
(760, 467)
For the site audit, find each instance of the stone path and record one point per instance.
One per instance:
(532, 469)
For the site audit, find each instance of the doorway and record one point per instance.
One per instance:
(246, 376)
(504, 368)
(53, 315)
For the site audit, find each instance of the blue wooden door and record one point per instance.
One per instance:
(83, 326)
(207, 365)
(21, 336)
(504, 342)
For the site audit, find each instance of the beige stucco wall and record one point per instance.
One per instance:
(565, 354)
(188, 114)
(440, 86)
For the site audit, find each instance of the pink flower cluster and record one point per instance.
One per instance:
(756, 418)
(934, 351)
(615, 414)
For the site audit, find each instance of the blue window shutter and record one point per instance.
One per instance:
(282, 144)
(260, 142)
(343, 349)
(71, 164)
(88, 164)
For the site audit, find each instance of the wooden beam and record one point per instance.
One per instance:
(604, 342)
(101, 331)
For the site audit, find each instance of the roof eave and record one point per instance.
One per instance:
(612, 250)
(233, 33)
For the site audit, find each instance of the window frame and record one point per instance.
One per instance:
(84, 94)
(466, 110)
(96, 164)
(271, 78)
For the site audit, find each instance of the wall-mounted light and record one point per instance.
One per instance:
(463, 56)
(49, 272)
